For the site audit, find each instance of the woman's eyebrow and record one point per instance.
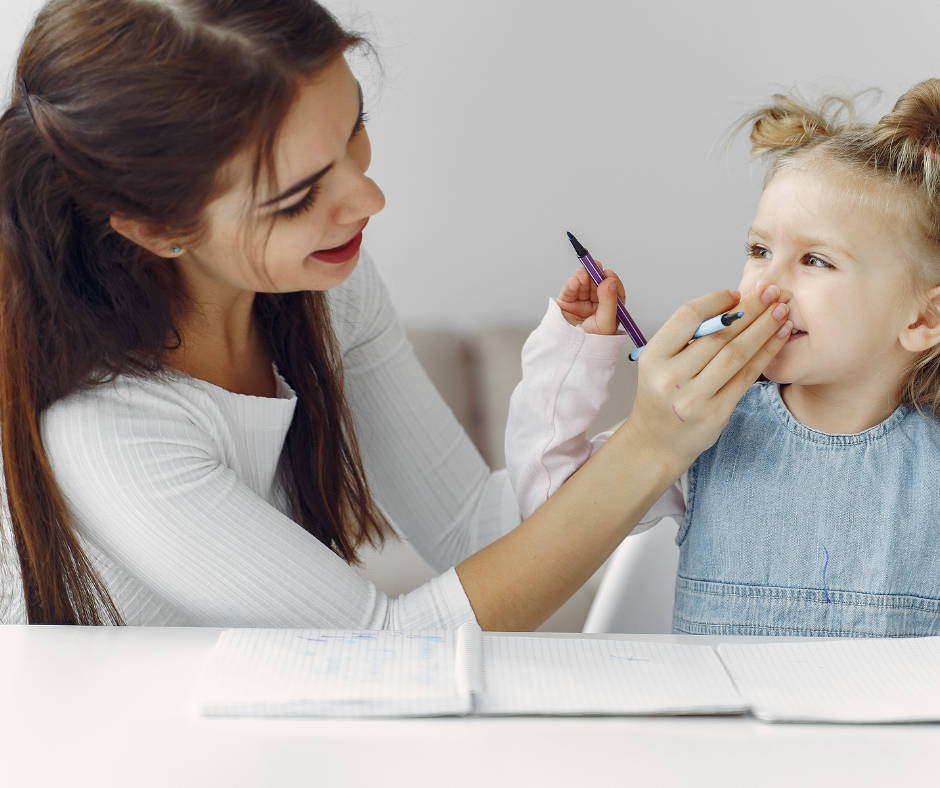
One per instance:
(306, 183)
(310, 180)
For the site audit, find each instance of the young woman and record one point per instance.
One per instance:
(207, 404)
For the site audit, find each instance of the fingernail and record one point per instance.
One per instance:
(735, 294)
(785, 329)
(612, 287)
(770, 294)
(780, 311)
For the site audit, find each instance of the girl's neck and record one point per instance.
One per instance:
(839, 409)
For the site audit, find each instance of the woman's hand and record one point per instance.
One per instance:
(687, 392)
(686, 396)
(591, 306)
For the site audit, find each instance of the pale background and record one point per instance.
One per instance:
(497, 125)
(500, 124)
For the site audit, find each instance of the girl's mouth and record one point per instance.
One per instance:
(341, 254)
(796, 333)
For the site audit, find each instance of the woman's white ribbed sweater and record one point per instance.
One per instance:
(174, 488)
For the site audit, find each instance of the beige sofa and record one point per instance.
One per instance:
(476, 376)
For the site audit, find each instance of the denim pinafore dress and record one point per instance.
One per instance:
(791, 531)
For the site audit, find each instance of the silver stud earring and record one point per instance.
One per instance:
(176, 249)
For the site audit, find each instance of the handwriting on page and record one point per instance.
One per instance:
(361, 658)
(333, 672)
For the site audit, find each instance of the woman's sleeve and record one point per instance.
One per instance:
(145, 477)
(422, 468)
(565, 373)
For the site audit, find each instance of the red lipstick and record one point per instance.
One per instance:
(341, 254)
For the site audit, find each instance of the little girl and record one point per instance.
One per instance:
(817, 512)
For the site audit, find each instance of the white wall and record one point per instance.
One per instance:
(503, 123)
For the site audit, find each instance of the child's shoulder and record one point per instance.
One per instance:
(924, 421)
(758, 399)
(763, 400)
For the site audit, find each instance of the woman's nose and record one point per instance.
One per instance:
(361, 198)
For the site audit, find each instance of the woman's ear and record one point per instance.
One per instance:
(145, 235)
(924, 332)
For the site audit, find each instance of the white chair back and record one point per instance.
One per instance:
(637, 592)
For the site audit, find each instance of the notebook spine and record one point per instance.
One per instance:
(469, 662)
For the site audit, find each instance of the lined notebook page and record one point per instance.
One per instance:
(885, 680)
(525, 675)
(291, 672)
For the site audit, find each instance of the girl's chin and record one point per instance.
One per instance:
(778, 373)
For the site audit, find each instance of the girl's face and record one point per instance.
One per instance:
(319, 207)
(847, 268)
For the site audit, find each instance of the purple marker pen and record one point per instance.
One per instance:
(598, 276)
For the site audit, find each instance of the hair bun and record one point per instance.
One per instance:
(790, 122)
(912, 128)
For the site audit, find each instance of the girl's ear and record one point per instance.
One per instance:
(145, 235)
(924, 332)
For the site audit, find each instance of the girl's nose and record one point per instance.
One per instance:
(775, 274)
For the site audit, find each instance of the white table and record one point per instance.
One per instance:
(111, 707)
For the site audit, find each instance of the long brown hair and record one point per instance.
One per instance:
(900, 154)
(132, 107)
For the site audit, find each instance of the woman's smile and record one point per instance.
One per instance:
(343, 253)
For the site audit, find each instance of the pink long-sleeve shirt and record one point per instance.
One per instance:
(565, 374)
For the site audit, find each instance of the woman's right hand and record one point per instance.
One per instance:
(687, 392)
(685, 398)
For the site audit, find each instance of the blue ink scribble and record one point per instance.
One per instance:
(629, 659)
(334, 665)
(825, 567)
(429, 644)
(351, 638)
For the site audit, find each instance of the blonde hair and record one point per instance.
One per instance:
(900, 151)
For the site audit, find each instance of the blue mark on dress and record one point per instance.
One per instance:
(825, 567)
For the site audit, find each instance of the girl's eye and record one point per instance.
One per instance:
(758, 251)
(812, 261)
(301, 207)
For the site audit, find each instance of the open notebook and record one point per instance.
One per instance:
(885, 680)
(283, 672)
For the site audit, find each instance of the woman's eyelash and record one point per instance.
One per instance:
(307, 202)
(361, 123)
(304, 205)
